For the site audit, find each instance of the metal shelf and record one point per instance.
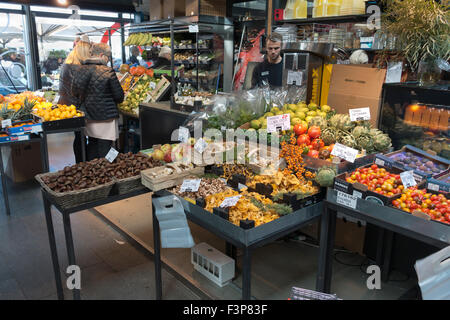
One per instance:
(327, 20)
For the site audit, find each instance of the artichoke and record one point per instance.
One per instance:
(319, 122)
(365, 141)
(328, 136)
(382, 142)
(325, 176)
(360, 130)
(346, 139)
(342, 122)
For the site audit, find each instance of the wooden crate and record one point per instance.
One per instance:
(164, 182)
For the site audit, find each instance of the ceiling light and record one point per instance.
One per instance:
(62, 2)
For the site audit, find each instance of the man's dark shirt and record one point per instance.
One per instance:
(268, 72)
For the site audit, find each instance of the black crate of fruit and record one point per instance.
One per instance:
(63, 124)
(361, 191)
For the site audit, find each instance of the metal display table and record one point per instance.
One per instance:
(68, 230)
(247, 239)
(392, 220)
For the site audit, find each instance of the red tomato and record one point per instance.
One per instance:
(447, 216)
(314, 132)
(313, 153)
(303, 139)
(317, 143)
(300, 129)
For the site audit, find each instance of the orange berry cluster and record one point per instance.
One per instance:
(292, 153)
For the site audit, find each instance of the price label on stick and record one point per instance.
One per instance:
(200, 145)
(295, 77)
(6, 123)
(359, 114)
(280, 122)
(344, 152)
(112, 155)
(408, 179)
(190, 185)
(230, 202)
(183, 134)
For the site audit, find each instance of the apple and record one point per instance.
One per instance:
(158, 154)
(166, 147)
(168, 157)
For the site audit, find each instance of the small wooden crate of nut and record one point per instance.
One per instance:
(169, 175)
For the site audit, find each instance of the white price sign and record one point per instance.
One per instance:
(433, 186)
(359, 114)
(344, 152)
(200, 145)
(295, 76)
(190, 185)
(36, 128)
(6, 123)
(112, 155)
(379, 162)
(408, 179)
(280, 122)
(346, 200)
(230, 201)
(183, 134)
(193, 28)
(153, 85)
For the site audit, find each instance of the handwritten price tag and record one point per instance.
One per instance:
(344, 152)
(346, 200)
(190, 185)
(408, 179)
(6, 123)
(193, 28)
(230, 201)
(360, 114)
(295, 77)
(280, 122)
(112, 155)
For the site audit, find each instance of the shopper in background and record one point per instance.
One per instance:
(99, 91)
(164, 57)
(134, 54)
(271, 69)
(71, 66)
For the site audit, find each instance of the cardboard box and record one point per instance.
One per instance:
(23, 161)
(356, 87)
(206, 7)
(349, 235)
(173, 8)
(156, 10)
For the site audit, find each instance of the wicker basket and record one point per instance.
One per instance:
(129, 184)
(70, 199)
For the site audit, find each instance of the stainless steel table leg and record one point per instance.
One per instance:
(70, 249)
(53, 249)
(4, 187)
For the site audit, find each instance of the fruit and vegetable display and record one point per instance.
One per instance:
(208, 186)
(15, 102)
(48, 112)
(378, 180)
(417, 162)
(138, 93)
(18, 112)
(436, 206)
(97, 172)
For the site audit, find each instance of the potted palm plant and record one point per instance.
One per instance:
(422, 32)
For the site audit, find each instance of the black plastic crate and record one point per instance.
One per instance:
(64, 124)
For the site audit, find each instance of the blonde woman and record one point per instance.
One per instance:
(72, 65)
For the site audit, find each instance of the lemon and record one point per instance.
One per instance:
(301, 115)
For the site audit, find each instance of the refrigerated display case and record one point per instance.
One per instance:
(418, 116)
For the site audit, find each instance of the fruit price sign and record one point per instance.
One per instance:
(408, 179)
(344, 152)
(112, 155)
(295, 77)
(359, 114)
(346, 200)
(230, 202)
(280, 122)
(190, 185)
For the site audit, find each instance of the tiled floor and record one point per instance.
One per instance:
(113, 269)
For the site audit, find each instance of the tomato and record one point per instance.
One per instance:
(374, 167)
(447, 216)
(303, 139)
(317, 143)
(300, 128)
(314, 132)
(313, 153)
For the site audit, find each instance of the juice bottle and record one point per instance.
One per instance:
(300, 9)
(289, 10)
(318, 9)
